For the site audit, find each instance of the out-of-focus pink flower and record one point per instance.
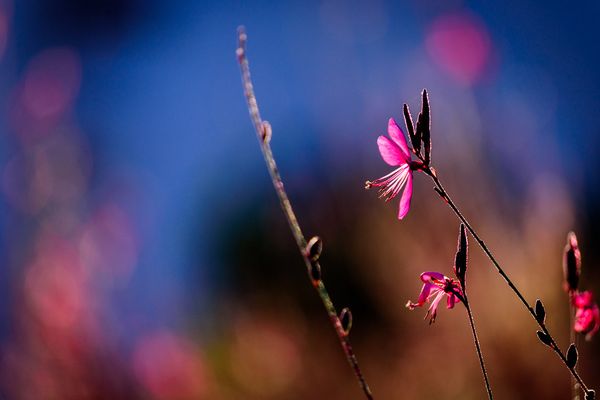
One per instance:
(169, 367)
(395, 152)
(461, 46)
(435, 286)
(109, 243)
(56, 285)
(4, 26)
(587, 314)
(52, 82)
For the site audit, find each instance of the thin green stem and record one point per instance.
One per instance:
(444, 195)
(263, 131)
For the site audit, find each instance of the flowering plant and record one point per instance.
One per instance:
(395, 151)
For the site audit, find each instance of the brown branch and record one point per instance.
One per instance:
(552, 342)
(310, 251)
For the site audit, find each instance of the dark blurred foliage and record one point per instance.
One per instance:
(143, 251)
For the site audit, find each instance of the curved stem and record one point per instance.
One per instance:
(444, 195)
(263, 131)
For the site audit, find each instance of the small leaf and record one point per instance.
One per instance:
(540, 312)
(544, 338)
(415, 139)
(346, 320)
(572, 356)
(314, 247)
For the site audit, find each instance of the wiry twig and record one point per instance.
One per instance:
(478, 348)
(310, 251)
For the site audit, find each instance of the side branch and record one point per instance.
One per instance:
(551, 341)
(310, 252)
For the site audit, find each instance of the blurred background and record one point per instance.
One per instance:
(143, 254)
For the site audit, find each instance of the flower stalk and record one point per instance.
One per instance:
(436, 286)
(310, 250)
(465, 301)
(551, 341)
(589, 314)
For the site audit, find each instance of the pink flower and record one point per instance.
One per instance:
(395, 152)
(436, 285)
(587, 314)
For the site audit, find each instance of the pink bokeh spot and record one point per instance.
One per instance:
(109, 243)
(3, 31)
(27, 183)
(169, 366)
(46, 94)
(460, 45)
(51, 82)
(56, 285)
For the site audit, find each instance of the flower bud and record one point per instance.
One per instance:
(572, 356)
(544, 338)
(346, 320)
(460, 260)
(540, 311)
(315, 272)
(314, 247)
(415, 138)
(424, 127)
(571, 263)
(266, 132)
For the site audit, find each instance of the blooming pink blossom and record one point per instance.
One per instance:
(395, 152)
(587, 314)
(435, 286)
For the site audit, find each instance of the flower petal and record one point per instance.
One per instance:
(425, 293)
(398, 137)
(451, 300)
(596, 318)
(406, 196)
(584, 318)
(583, 299)
(428, 275)
(390, 152)
(434, 305)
